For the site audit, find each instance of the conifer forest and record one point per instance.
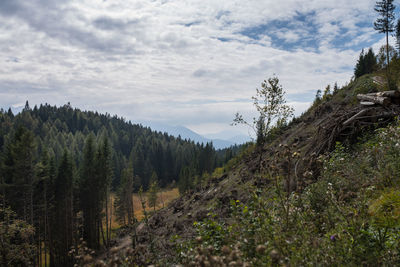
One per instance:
(274, 137)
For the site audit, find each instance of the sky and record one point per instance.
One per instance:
(178, 62)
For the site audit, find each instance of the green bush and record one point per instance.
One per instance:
(350, 216)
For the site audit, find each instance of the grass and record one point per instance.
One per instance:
(163, 198)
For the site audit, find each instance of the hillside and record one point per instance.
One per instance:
(59, 128)
(59, 167)
(313, 194)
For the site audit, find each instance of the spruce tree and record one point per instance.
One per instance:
(153, 191)
(359, 70)
(384, 24)
(123, 202)
(18, 171)
(63, 222)
(88, 194)
(104, 177)
(367, 63)
(335, 88)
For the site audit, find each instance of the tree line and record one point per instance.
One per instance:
(58, 166)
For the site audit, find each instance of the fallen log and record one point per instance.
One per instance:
(367, 103)
(384, 101)
(391, 94)
(354, 117)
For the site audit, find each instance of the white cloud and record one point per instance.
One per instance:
(180, 62)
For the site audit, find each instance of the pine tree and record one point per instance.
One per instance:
(44, 192)
(153, 190)
(63, 222)
(318, 98)
(260, 131)
(384, 24)
(123, 202)
(185, 179)
(367, 63)
(370, 61)
(359, 70)
(18, 174)
(335, 88)
(327, 92)
(88, 194)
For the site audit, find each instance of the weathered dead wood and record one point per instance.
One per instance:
(353, 118)
(367, 103)
(391, 94)
(384, 101)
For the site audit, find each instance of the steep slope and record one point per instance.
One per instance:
(311, 135)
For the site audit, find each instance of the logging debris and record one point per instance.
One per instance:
(375, 110)
(385, 98)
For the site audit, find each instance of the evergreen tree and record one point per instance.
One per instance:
(123, 202)
(153, 190)
(260, 131)
(366, 63)
(186, 177)
(44, 193)
(63, 221)
(359, 70)
(318, 97)
(370, 61)
(89, 195)
(384, 24)
(18, 174)
(327, 92)
(335, 88)
(104, 176)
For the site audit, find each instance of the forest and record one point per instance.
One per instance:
(318, 189)
(59, 166)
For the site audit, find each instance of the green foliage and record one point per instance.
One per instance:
(58, 165)
(367, 63)
(364, 85)
(153, 191)
(123, 202)
(212, 232)
(350, 216)
(16, 248)
(271, 106)
(385, 23)
(385, 210)
(56, 128)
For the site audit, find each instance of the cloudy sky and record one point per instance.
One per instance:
(180, 62)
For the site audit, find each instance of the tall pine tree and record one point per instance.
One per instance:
(384, 24)
(63, 221)
(89, 194)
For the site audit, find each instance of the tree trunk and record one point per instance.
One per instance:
(353, 118)
(374, 99)
(387, 59)
(391, 94)
(107, 237)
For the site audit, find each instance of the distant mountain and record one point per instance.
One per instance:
(240, 139)
(185, 133)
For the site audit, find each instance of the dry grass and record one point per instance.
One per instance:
(164, 197)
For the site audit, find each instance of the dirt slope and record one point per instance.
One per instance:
(310, 135)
